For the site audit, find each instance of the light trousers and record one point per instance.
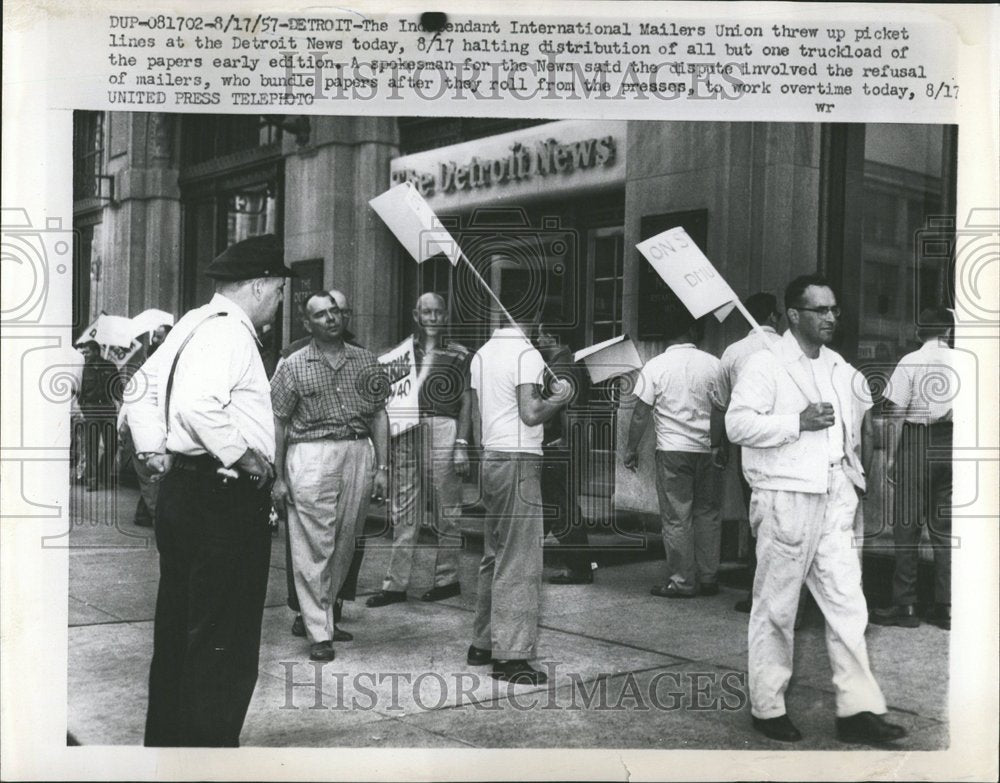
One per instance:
(510, 573)
(423, 470)
(330, 483)
(688, 486)
(808, 538)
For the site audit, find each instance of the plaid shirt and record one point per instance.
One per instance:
(320, 400)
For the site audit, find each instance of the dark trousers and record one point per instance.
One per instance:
(561, 511)
(923, 492)
(98, 429)
(215, 550)
(350, 588)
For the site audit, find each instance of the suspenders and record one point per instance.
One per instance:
(173, 366)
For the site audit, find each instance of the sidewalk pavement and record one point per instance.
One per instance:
(626, 669)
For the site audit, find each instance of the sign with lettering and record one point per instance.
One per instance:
(690, 275)
(414, 224)
(521, 162)
(402, 405)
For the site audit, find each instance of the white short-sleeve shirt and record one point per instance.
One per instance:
(506, 361)
(682, 385)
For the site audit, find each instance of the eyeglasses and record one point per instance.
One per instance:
(834, 311)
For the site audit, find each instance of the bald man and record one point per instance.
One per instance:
(429, 461)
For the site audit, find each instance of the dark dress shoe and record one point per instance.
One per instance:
(781, 728)
(298, 626)
(572, 578)
(322, 651)
(340, 635)
(901, 616)
(710, 589)
(744, 605)
(670, 591)
(867, 728)
(442, 592)
(386, 597)
(940, 616)
(518, 672)
(477, 656)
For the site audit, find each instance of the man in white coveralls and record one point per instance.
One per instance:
(800, 459)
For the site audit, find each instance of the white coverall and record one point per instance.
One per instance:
(802, 511)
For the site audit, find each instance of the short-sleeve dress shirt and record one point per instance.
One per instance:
(682, 385)
(323, 401)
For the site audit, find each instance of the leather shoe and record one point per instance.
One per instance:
(940, 616)
(518, 672)
(322, 651)
(298, 626)
(712, 588)
(902, 616)
(477, 656)
(442, 592)
(386, 597)
(572, 578)
(867, 728)
(781, 728)
(744, 605)
(669, 591)
(340, 635)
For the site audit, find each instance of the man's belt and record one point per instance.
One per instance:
(209, 466)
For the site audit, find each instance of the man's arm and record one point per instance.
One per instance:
(460, 457)
(534, 410)
(641, 415)
(867, 441)
(892, 434)
(749, 420)
(279, 492)
(380, 438)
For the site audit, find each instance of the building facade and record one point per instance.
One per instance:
(549, 213)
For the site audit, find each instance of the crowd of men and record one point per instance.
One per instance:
(225, 444)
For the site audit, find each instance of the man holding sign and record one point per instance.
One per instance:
(329, 403)
(796, 410)
(430, 458)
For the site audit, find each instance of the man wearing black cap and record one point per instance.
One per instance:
(205, 427)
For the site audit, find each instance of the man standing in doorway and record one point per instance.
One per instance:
(329, 408)
(794, 411)
(431, 458)
(681, 389)
(764, 309)
(918, 417)
(205, 426)
(507, 378)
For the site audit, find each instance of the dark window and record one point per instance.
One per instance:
(88, 152)
(207, 136)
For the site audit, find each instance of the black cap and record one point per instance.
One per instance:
(261, 256)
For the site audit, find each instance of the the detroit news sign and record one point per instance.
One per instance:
(690, 275)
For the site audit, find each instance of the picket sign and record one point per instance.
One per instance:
(404, 387)
(412, 221)
(691, 276)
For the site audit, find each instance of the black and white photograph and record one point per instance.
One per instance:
(549, 391)
(673, 541)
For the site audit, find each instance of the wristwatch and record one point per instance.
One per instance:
(461, 442)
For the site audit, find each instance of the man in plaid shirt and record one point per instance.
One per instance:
(329, 408)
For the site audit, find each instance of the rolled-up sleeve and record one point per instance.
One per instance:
(284, 396)
(750, 420)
